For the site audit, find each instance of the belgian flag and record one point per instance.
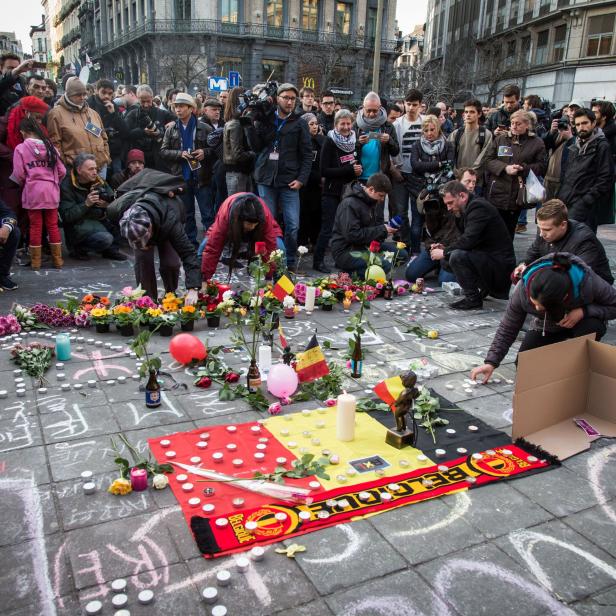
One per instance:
(282, 288)
(311, 364)
(389, 390)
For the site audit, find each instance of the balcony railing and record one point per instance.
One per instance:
(243, 30)
(66, 10)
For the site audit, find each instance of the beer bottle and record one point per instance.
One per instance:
(356, 359)
(388, 290)
(254, 377)
(152, 391)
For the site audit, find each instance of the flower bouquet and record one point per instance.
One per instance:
(33, 359)
(188, 316)
(53, 316)
(326, 300)
(101, 317)
(25, 316)
(125, 318)
(9, 325)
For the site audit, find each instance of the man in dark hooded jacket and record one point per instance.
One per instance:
(359, 222)
(588, 182)
(150, 214)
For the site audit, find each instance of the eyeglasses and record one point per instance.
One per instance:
(289, 98)
(328, 103)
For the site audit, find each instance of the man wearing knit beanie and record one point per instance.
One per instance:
(136, 227)
(74, 127)
(135, 162)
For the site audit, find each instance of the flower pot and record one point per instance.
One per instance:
(213, 321)
(327, 307)
(102, 328)
(165, 330)
(127, 330)
(188, 326)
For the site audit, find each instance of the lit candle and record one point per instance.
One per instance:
(139, 479)
(345, 417)
(63, 347)
(346, 304)
(311, 293)
(265, 357)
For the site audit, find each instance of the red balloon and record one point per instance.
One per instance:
(185, 348)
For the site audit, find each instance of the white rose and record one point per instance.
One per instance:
(302, 250)
(288, 302)
(160, 482)
(326, 294)
(227, 295)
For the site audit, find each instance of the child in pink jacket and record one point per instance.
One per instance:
(38, 169)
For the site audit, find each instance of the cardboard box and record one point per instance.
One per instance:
(556, 384)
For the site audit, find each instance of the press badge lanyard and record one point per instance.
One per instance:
(279, 126)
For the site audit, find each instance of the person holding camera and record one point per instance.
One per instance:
(238, 158)
(186, 151)
(557, 142)
(146, 126)
(74, 127)
(84, 197)
(284, 159)
(115, 126)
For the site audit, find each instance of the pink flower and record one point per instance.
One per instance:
(400, 290)
(330, 402)
(127, 291)
(300, 292)
(379, 285)
(145, 302)
(275, 408)
(348, 364)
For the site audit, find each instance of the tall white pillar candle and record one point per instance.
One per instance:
(311, 293)
(345, 417)
(265, 357)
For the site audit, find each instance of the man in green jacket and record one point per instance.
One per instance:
(84, 198)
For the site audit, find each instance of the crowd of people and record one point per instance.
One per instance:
(114, 166)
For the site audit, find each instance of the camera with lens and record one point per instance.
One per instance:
(258, 102)
(104, 195)
(563, 124)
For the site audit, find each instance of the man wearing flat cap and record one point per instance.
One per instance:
(186, 152)
(284, 161)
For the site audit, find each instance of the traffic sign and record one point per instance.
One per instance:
(341, 91)
(235, 79)
(217, 84)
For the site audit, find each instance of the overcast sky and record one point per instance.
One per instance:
(410, 13)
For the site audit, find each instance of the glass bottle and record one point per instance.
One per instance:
(357, 359)
(152, 391)
(388, 290)
(253, 377)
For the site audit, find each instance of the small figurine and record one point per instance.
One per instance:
(287, 356)
(402, 436)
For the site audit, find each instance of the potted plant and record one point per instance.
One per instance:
(125, 318)
(101, 317)
(166, 322)
(212, 314)
(188, 316)
(326, 300)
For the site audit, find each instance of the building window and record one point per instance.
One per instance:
(272, 69)
(510, 53)
(525, 50)
(500, 14)
(310, 14)
(274, 13)
(230, 11)
(600, 35)
(541, 54)
(529, 7)
(544, 6)
(371, 23)
(228, 64)
(343, 18)
(560, 37)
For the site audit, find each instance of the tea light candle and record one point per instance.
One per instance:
(201, 444)
(450, 432)
(94, 607)
(257, 553)
(223, 577)
(120, 600)
(440, 453)
(242, 564)
(195, 460)
(205, 436)
(118, 585)
(145, 597)
(165, 442)
(91, 383)
(194, 501)
(139, 479)
(170, 454)
(181, 478)
(281, 461)
(219, 610)
(210, 594)
(311, 293)
(237, 462)
(231, 446)
(89, 487)
(217, 457)
(21, 393)
(251, 526)
(259, 456)
(208, 508)
(188, 487)
(345, 417)
(60, 376)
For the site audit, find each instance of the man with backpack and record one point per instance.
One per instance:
(471, 141)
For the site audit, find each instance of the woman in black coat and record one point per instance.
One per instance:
(339, 166)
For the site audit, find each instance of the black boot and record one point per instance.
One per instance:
(468, 302)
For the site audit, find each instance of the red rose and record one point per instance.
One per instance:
(232, 377)
(211, 307)
(374, 246)
(204, 382)
(260, 248)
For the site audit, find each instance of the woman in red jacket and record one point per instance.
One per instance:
(242, 220)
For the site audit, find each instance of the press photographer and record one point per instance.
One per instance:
(146, 125)
(284, 158)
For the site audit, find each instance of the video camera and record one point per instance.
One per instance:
(258, 102)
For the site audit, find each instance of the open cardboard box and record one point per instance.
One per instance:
(560, 382)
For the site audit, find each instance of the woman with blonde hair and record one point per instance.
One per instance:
(509, 160)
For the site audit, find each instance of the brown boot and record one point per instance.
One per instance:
(56, 255)
(35, 257)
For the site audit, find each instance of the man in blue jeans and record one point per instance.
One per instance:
(282, 140)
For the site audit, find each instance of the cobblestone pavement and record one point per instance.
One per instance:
(538, 545)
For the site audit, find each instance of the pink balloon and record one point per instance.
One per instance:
(282, 381)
